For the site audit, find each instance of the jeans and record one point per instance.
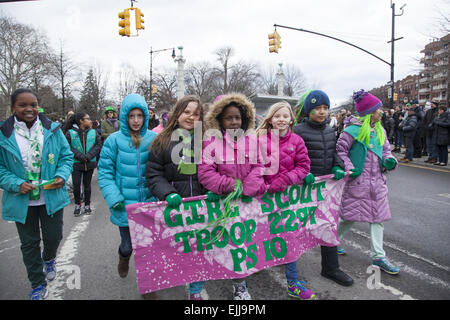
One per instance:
(376, 237)
(431, 148)
(291, 272)
(443, 153)
(398, 138)
(196, 287)
(30, 240)
(409, 148)
(125, 248)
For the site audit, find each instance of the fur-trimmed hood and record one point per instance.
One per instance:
(219, 105)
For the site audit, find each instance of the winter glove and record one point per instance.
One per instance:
(118, 206)
(309, 179)
(279, 184)
(212, 197)
(355, 173)
(173, 200)
(389, 163)
(338, 173)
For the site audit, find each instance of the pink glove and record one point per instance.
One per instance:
(279, 184)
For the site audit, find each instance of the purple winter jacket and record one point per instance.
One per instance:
(365, 198)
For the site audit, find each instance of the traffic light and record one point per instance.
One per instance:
(274, 42)
(124, 22)
(395, 96)
(154, 90)
(139, 20)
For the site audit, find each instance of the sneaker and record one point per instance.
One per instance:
(50, 269)
(39, 293)
(386, 266)
(87, 209)
(77, 210)
(240, 292)
(195, 296)
(341, 251)
(298, 291)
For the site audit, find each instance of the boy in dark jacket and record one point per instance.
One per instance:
(409, 127)
(320, 140)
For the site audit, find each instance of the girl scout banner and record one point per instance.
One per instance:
(175, 246)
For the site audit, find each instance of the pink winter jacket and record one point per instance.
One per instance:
(365, 198)
(225, 160)
(291, 159)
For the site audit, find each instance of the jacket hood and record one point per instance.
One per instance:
(225, 100)
(130, 102)
(351, 120)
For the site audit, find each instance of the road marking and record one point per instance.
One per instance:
(13, 247)
(395, 247)
(64, 259)
(423, 167)
(434, 200)
(10, 239)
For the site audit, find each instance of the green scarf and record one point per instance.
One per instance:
(188, 168)
(33, 172)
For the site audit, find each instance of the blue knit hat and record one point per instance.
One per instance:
(314, 99)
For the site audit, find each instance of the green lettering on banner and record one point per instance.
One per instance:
(195, 217)
(297, 189)
(280, 204)
(225, 237)
(318, 186)
(312, 214)
(283, 247)
(238, 255)
(267, 198)
(274, 218)
(213, 208)
(308, 198)
(177, 219)
(251, 253)
(291, 217)
(250, 228)
(302, 215)
(185, 237)
(203, 238)
(233, 235)
(269, 256)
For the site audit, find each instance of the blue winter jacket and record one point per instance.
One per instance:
(57, 161)
(121, 169)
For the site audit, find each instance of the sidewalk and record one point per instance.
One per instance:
(419, 162)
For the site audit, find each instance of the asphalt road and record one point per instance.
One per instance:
(416, 239)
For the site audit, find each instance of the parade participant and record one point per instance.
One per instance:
(170, 180)
(33, 153)
(293, 166)
(86, 145)
(110, 124)
(121, 170)
(231, 116)
(366, 152)
(320, 141)
(441, 126)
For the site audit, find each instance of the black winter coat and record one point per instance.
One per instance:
(163, 177)
(409, 126)
(428, 120)
(320, 140)
(441, 126)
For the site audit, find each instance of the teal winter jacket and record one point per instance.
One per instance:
(121, 169)
(57, 161)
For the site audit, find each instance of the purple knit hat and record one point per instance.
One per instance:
(365, 103)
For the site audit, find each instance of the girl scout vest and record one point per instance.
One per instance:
(358, 151)
(76, 142)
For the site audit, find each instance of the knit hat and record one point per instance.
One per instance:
(365, 103)
(109, 108)
(314, 99)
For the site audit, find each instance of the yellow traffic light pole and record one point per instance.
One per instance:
(124, 21)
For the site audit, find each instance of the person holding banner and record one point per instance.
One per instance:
(320, 140)
(366, 152)
(121, 170)
(226, 167)
(172, 179)
(293, 167)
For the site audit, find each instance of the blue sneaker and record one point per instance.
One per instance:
(50, 269)
(341, 251)
(39, 293)
(386, 266)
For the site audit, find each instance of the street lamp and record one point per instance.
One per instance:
(151, 68)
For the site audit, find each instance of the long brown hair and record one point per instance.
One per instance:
(163, 139)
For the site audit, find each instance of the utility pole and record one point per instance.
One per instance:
(151, 68)
(392, 41)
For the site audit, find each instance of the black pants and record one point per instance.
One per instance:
(442, 151)
(330, 261)
(76, 180)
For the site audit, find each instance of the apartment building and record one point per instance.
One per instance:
(434, 81)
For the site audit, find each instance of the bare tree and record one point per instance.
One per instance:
(200, 81)
(128, 80)
(21, 51)
(223, 56)
(294, 81)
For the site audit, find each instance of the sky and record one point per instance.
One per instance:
(89, 32)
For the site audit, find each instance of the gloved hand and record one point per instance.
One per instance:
(338, 173)
(212, 197)
(309, 179)
(246, 199)
(173, 200)
(279, 184)
(118, 206)
(389, 163)
(355, 173)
